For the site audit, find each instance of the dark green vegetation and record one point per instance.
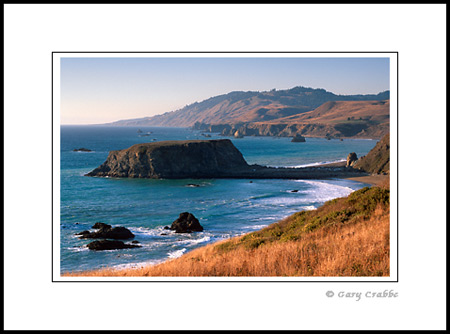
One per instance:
(359, 205)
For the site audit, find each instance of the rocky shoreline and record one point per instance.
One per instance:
(199, 159)
(362, 129)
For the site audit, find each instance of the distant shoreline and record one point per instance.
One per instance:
(218, 133)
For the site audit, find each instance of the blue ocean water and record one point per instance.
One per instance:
(225, 208)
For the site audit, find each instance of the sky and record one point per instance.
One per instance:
(102, 90)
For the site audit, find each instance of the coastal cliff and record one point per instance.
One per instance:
(202, 159)
(334, 119)
(377, 161)
(173, 159)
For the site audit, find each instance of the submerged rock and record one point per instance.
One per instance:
(82, 149)
(109, 245)
(186, 223)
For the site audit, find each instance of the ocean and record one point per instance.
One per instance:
(225, 208)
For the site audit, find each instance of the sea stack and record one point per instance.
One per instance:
(351, 159)
(186, 223)
(174, 160)
(298, 139)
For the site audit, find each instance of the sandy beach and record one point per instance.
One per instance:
(378, 180)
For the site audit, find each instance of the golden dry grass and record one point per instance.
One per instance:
(355, 246)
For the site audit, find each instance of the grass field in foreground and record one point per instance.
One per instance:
(345, 237)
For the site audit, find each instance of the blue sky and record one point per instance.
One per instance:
(100, 90)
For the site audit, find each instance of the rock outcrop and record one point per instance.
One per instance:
(174, 160)
(99, 225)
(377, 160)
(82, 149)
(105, 231)
(110, 245)
(186, 223)
(298, 139)
(351, 159)
(237, 134)
(197, 159)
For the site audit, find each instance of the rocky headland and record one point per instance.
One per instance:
(377, 161)
(203, 159)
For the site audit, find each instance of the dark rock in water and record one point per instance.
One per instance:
(174, 160)
(82, 149)
(100, 225)
(83, 233)
(192, 185)
(294, 191)
(135, 242)
(351, 158)
(298, 139)
(186, 223)
(109, 245)
(108, 233)
(167, 227)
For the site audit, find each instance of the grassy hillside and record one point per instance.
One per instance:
(345, 237)
(338, 119)
(335, 112)
(251, 106)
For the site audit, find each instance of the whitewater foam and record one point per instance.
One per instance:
(176, 254)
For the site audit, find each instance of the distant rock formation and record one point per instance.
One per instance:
(174, 160)
(351, 158)
(82, 149)
(109, 245)
(186, 223)
(298, 139)
(237, 134)
(377, 161)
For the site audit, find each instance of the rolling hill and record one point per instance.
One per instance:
(250, 107)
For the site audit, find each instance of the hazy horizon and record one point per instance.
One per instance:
(96, 91)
